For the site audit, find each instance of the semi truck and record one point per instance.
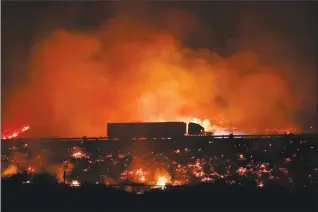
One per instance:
(152, 129)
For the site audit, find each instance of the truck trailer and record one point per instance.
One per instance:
(152, 129)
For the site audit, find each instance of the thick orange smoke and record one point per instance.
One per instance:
(130, 70)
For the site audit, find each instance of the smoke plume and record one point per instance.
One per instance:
(134, 69)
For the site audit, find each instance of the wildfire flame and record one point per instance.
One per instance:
(162, 182)
(78, 153)
(216, 129)
(75, 183)
(11, 170)
(162, 177)
(16, 133)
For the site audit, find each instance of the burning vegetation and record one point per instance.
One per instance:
(172, 167)
(19, 162)
(5, 135)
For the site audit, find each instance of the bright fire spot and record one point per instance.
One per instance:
(241, 171)
(260, 184)
(162, 182)
(209, 127)
(78, 153)
(11, 170)
(162, 177)
(31, 169)
(75, 183)
(142, 178)
(16, 133)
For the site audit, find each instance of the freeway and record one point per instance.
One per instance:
(245, 137)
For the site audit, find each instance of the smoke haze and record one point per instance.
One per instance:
(82, 69)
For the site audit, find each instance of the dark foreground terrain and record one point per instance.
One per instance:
(253, 174)
(45, 195)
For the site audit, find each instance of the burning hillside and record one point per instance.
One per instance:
(261, 161)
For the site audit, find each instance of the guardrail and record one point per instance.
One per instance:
(297, 136)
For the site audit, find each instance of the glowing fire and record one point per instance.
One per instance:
(11, 170)
(162, 177)
(162, 181)
(78, 153)
(138, 175)
(208, 126)
(31, 169)
(75, 183)
(16, 133)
